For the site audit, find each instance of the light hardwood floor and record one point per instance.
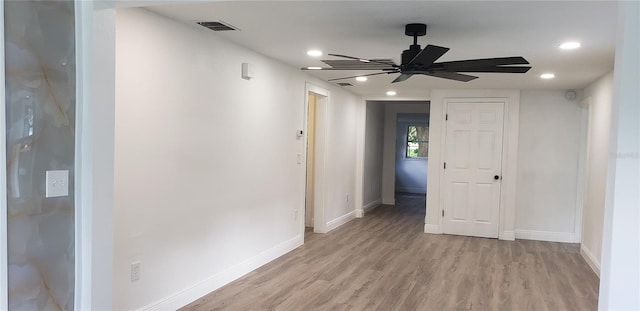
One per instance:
(385, 262)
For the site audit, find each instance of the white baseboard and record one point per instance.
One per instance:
(340, 221)
(590, 259)
(507, 236)
(433, 229)
(412, 190)
(368, 208)
(389, 201)
(188, 295)
(371, 205)
(565, 237)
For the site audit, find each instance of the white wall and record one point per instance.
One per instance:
(206, 181)
(620, 275)
(374, 143)
(389, 157)
(411, 173)
(600, 96)
(548, 154)
(342, 144)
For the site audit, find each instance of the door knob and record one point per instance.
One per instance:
(496, 177)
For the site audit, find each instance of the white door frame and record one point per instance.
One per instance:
(4, 286)
(437, 136)
(583, 168)
(95, 154)
(321, 151)
(83, 143)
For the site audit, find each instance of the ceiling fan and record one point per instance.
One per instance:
(423, 61)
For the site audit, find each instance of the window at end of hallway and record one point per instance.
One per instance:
(417, 141)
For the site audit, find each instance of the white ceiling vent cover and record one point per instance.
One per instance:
(218, 26)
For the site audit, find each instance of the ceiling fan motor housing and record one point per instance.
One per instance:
(413, 30)
(408, 55)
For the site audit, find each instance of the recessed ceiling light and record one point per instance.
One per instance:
(547, 76)
(570, 45)
(361, 79)
(391, 93)
(314, 68)
(314, 53)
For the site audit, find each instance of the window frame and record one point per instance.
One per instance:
(407, 141)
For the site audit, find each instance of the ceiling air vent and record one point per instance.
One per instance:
(344, 84)
(217, 26)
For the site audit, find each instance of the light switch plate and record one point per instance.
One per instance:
(135, 271)
(247, 71)
(57, 183)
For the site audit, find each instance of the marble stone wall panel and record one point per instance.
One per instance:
(40, 102)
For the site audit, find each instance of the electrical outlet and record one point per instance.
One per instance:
(135, 271)
(295, 214)
(347, 197)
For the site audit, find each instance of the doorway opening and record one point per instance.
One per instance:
(316, 110)
(311, 135)
(391, 154)
(412, 147)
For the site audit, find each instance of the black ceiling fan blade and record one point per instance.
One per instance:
(346, 68)
(450, 75)
(402, 77)
(484, 62)
(493, 69)
(428, 55)
(371, 74)
(364, 60)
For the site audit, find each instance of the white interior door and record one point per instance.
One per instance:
(472, 170)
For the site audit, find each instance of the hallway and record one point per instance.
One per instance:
(384, 261)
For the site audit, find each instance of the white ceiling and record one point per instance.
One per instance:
(285, 30)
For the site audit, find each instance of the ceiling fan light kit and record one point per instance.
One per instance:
(416, 60)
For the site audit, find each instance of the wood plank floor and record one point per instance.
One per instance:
(385, 262)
